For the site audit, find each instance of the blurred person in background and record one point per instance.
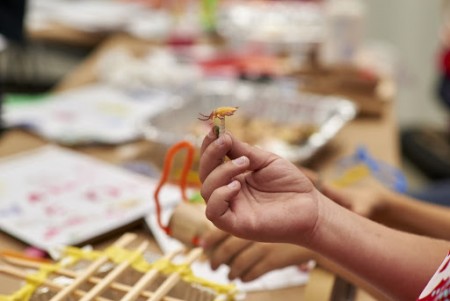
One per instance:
(429, 148)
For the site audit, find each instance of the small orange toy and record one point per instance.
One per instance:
(220, 112)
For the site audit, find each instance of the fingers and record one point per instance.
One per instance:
(210, 137)
(234, 252)
(246, 261)
(271, 257)
(213, 151)
(219, 203)
(223, 175)
(224, 249)
(228, 250)
(212, 238)
(260, 268)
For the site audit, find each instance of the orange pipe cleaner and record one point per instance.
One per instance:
(165, 175)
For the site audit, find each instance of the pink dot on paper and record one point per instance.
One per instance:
(34, 197)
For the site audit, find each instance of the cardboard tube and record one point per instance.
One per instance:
(188, 223)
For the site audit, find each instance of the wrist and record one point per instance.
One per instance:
(314, 236)
(334, 229)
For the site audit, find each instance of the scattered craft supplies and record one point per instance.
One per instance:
(122, 271)
(52, 196)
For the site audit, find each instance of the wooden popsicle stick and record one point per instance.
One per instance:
(174, 278)
(121, 242)
(65, 272)
(113, 275)
(147, 279)
(11, 271)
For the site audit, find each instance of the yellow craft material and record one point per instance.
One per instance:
(352, 175)
(124, 260)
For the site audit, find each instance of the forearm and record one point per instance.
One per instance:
(351, 277)
(372, 251)
(416, 216)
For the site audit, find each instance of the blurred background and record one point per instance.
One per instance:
(403, 41)
(355, 90)
(408, 29)
(414, 30)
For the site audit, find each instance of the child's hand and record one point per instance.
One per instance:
(249, 260)
(367, 199)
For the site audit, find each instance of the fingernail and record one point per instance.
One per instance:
(220, 141)
(233, 184)
(240, 161)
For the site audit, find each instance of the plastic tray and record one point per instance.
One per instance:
(279, 103)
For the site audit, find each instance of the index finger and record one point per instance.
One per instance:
(213, 154)
(212, 238)
(209, 138)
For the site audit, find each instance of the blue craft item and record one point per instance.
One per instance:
(388, 175)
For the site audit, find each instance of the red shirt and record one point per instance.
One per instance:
(438, 288)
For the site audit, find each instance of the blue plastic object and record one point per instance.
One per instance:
(388, 175)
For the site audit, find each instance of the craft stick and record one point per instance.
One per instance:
(121, 242)
(114, 274)
(173, 279)
(95, 280)
(10, 253)
(11, 271)
(147, 279)
(222, 127)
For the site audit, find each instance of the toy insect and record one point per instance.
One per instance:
(220, 113)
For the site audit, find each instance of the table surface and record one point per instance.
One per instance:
(379, 135)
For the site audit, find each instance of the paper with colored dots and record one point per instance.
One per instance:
(52, 196)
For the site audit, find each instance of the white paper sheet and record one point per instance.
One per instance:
(51, 197)
(94, 113)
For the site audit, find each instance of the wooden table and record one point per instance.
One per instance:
(63, 34)
(379, 135)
